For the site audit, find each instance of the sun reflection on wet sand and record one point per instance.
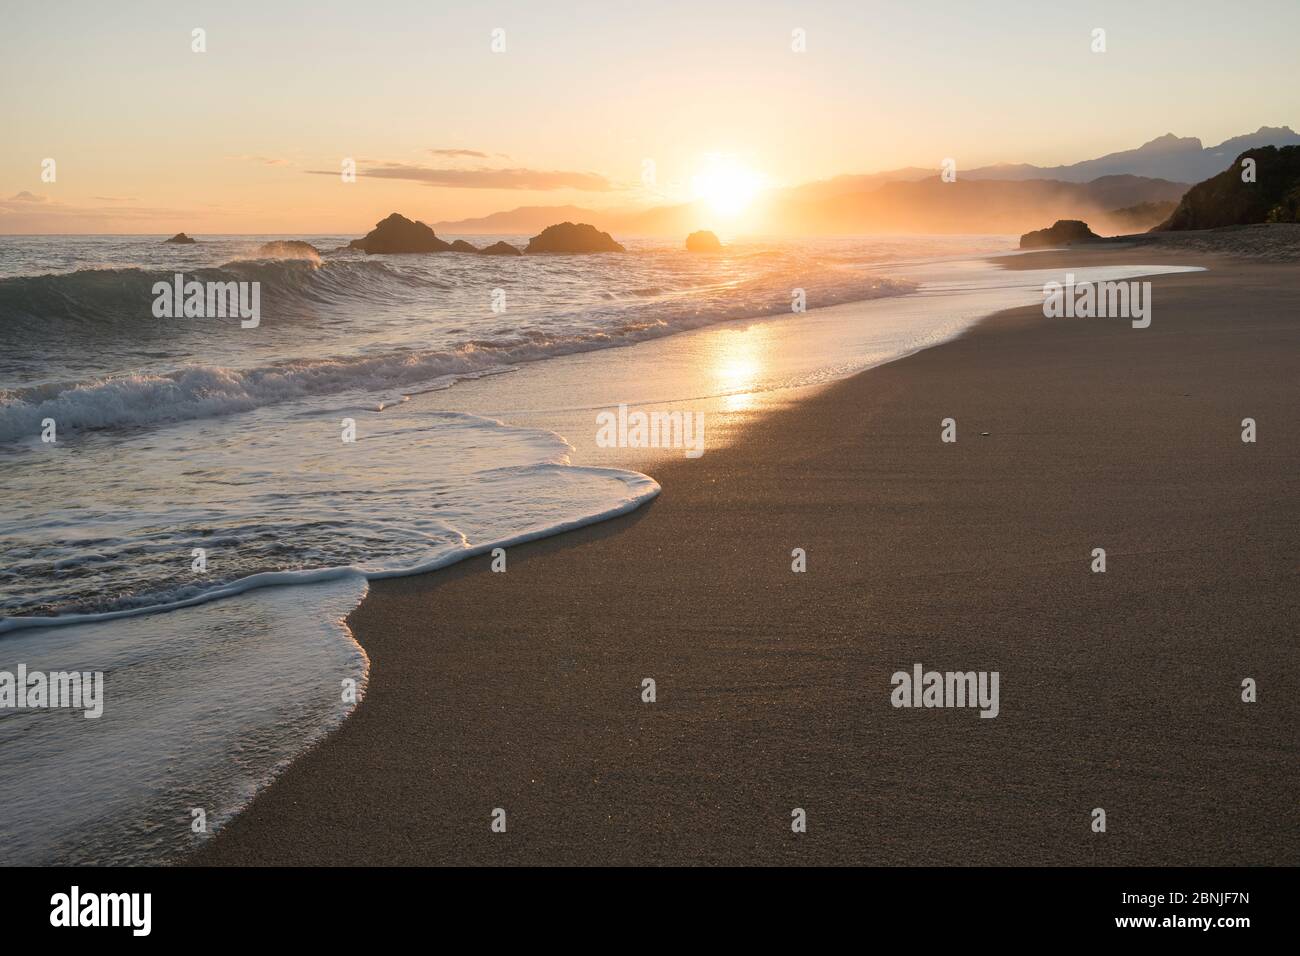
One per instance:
(736, 363)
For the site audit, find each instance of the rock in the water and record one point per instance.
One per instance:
(702, 241)
(460, 245)
(1062, 233)
(500, 249)
(287, 249)
(181, 239)
(568, 237)
(399, 234)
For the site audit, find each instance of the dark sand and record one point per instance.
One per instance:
(1118, 690)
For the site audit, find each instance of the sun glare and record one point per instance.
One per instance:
(726, 185)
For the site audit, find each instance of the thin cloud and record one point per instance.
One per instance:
(36, 210)
(266, 160)
(531, 179)
(460, 153)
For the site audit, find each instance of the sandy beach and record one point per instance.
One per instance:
(1118, 690)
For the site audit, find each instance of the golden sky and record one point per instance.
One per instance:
(149, 136)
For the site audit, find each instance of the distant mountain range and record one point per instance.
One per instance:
(1114, 193)
(974, 205)
(524, 219)
(1180, 159)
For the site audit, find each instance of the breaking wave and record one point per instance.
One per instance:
(114, 306)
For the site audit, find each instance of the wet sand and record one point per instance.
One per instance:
(1119, 690)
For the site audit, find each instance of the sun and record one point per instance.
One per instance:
(726, 185)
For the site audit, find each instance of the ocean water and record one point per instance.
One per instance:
(176, 434)
(179, 437)
(80, 342)
(202, 707)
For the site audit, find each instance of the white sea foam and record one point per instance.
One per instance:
(192, 437)
(201, 708)
(109, 526)
(206, 702)
(392, 348)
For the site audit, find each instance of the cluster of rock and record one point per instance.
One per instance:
(1062, 233)
(567, 238)
(180, 239)
(397, 234)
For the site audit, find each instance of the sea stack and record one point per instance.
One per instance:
(180, 239)
(703, 241)
(500, 249)
(460, 245)
(1062, 233)
(570, 238)
(397, 234)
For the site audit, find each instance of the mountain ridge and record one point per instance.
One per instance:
(1161, 170)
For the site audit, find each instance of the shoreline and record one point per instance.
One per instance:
(738, 735)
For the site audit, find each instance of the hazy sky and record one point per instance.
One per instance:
(149, 136)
